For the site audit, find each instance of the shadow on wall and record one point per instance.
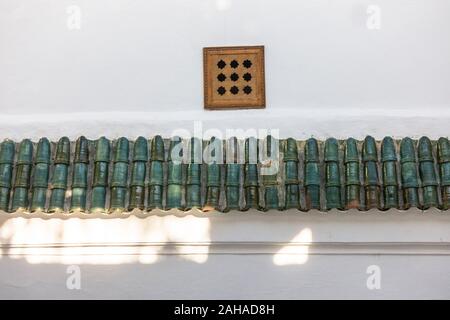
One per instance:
(138, 238)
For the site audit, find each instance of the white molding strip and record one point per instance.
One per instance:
(230, 248)
(321, 123)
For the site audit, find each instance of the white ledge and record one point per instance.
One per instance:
(297, 122)
(231, 248)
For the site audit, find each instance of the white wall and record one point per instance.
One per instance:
(234, 277)
(135, 68)
(326, 71)
(289, 255)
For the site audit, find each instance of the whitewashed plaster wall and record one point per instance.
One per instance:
(289, 255)
(135, 68)
(140, 61)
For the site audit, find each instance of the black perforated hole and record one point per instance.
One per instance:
(221, 77)
(221, 64)
(234, 64)
(234, 90)
(234, 76)
(247, 89)
(247, 63)
(221, 91)
(247, 76)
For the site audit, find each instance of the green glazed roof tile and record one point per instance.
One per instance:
(232, 151)
(443, 150)
(140, 150)
(388, 150)
(122, 150)
(82, 150)
(195, 150)
(157, 149)
(331, 150)
(102, 150)
(63, 151)
(251, 150)
(290, 150)
(224, 185)
(173, 147)
(351, 151)
(311, 150)
(7, 151)
(25, 154)
(369, 152)
(407, 150)
(425, 150)
(43, 152)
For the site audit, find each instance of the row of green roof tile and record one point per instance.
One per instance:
(105, 176)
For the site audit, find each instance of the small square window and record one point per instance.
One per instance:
(234, 77)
